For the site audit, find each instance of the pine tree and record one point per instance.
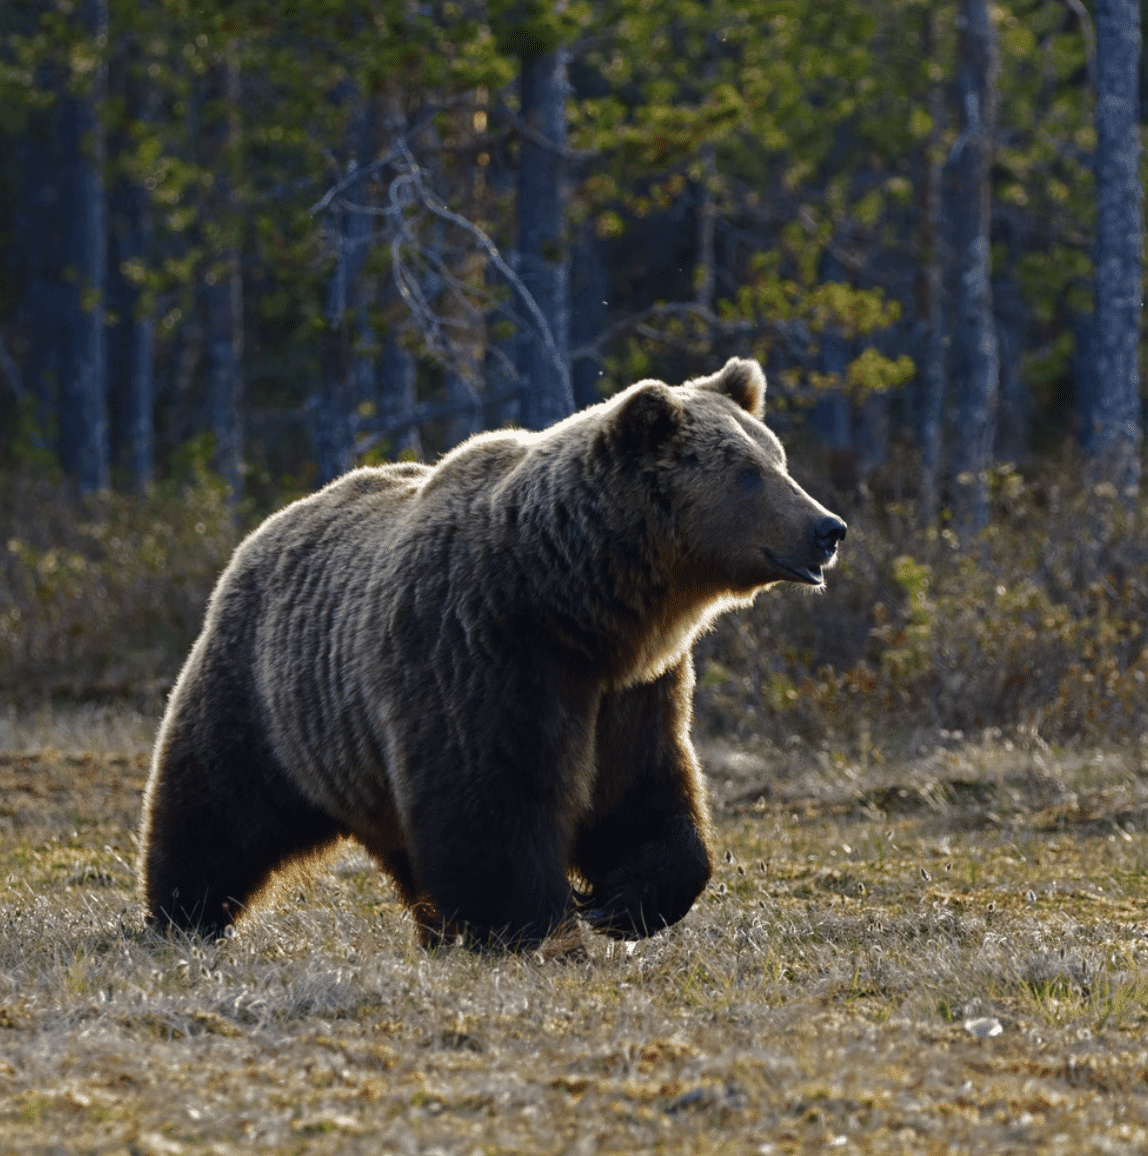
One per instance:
(1117, 434)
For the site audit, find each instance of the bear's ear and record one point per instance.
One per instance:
(646, 419)
(741, 380)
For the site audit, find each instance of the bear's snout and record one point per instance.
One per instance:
(827, 533)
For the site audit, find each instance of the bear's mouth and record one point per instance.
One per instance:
(807, 575)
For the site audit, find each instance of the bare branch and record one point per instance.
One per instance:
(409, 190)
(535, 137)
(376, 432)
(398, 150)
(1089, 34)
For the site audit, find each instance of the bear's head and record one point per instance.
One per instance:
(739, 520)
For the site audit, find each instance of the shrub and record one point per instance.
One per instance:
(103, 596)
(1038, 621)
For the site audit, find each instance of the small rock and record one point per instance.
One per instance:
(984, 1026)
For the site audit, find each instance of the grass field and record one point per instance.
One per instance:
(937, 947)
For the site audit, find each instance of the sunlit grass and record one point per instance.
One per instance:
(863, 919)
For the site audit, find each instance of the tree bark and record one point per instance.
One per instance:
(334, 438)
(348, 372)
(705, 275)
(83, 413)
(1014, 415)
(131, 341)
(1084, 380)
(543, 358)
(977, 357)
(224, 279)
(38, 228)
(1116, 432)
(933, 367)
(395, 387)
(590, 292)
(396, 394)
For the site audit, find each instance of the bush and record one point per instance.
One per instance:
(1039, 621)
(103, 596)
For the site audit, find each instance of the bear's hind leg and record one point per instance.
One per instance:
(216, 827)
(644, 849)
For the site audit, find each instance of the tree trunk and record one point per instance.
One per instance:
(224, 289)
(362, 289)
(1084, 380)
(334, 438)
(704, 275)
(590, 280)
(37, 230)
(464, 374)
(1015, 413)
(348, 374)
(1116, 433)
(395, 388)
(977, 358)
(131, 341)
(933, 368)
(395, 374)
(543, 357)
(466, 419)
(83, 379)
(832, 413)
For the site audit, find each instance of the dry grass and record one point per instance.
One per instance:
(871, 913)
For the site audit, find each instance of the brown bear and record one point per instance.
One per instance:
(481, 670)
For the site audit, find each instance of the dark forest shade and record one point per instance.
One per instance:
(348, 377)
(131, 339)
(83, 413)
(977, 357)
(932, 227)
(719, 183)
(1116, 434)
(332, 434)
(223, 292)
(542, 251)
(38, 235)
(131, 342)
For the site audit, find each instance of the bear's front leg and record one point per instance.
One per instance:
(496, 879)
(644, 848)
(489, 808)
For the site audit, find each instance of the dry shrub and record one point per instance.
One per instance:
(1040, 620)
(103, 596)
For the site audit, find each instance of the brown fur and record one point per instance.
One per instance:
(481, 670)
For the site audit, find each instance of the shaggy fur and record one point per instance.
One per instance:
(481, 670)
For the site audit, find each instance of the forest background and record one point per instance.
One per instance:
(246, 246)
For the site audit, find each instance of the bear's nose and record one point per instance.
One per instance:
(828, 532)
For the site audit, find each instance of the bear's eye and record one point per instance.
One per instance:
(749, 479)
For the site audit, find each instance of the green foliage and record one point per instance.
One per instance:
(806, 126)
(749, 103)
(528, 28)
